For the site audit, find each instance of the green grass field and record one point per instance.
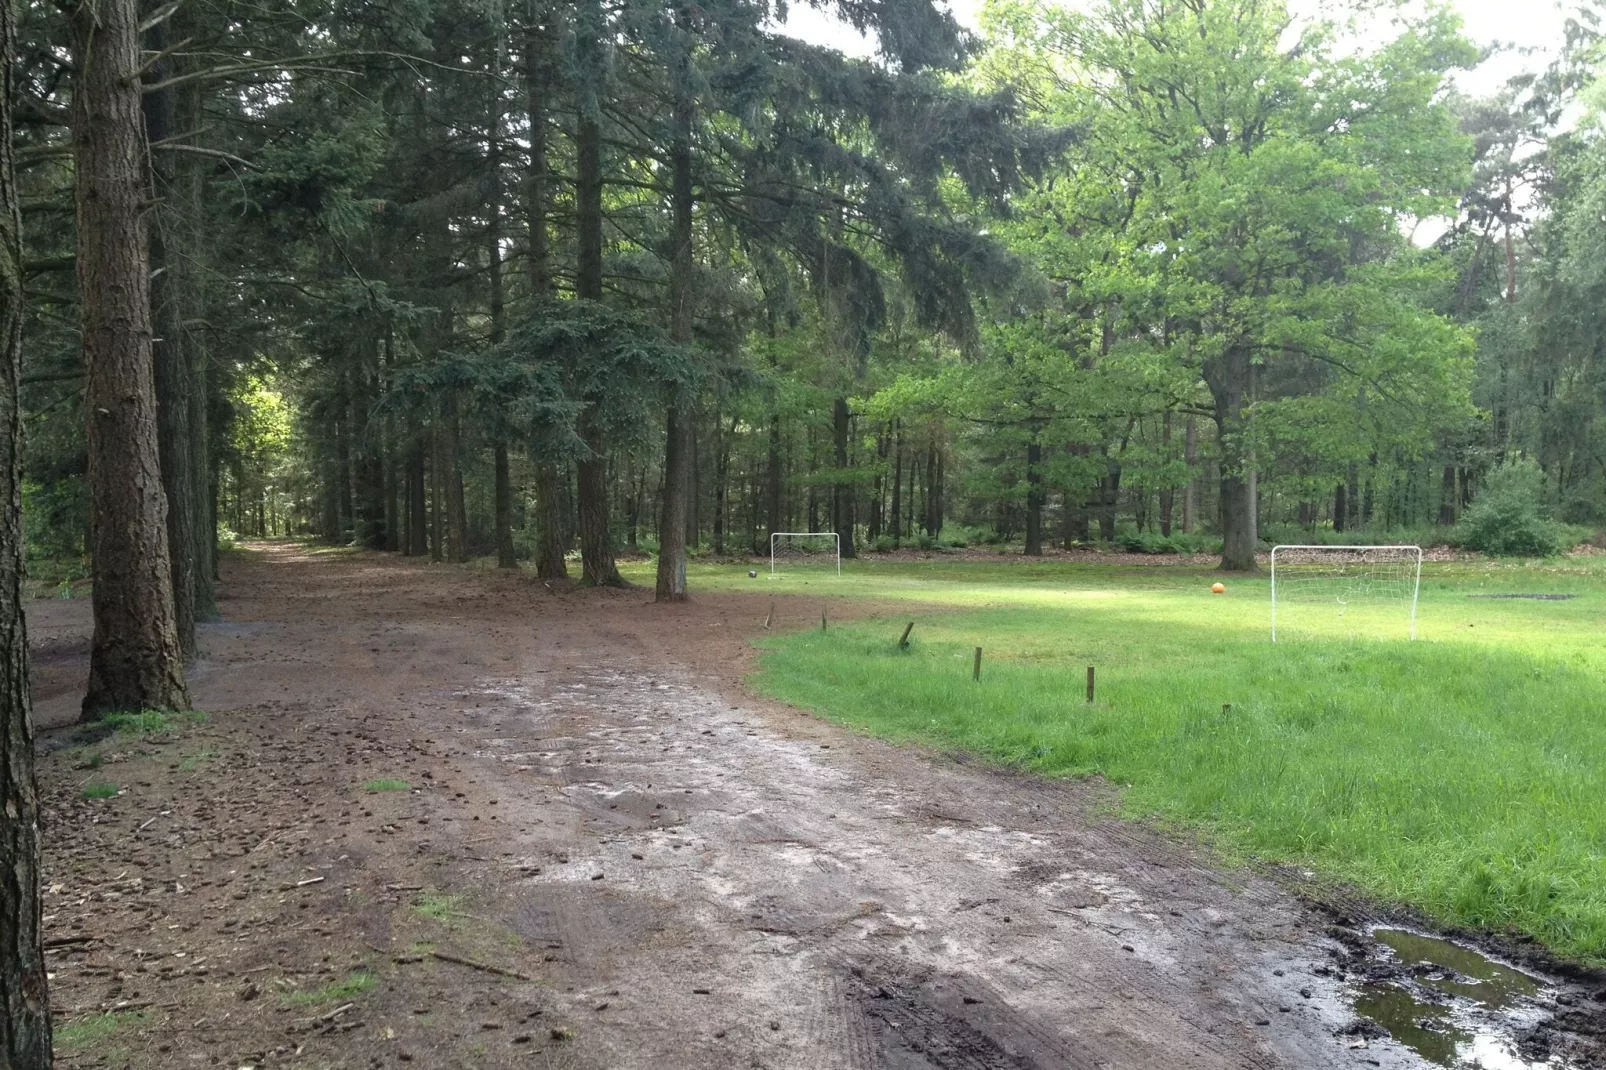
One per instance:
(1464, 774)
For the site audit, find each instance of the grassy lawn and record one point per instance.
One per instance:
(1464, 773)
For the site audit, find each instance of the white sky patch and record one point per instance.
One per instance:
(1533, 30)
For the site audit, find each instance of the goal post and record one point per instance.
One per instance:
(1346, 587)
(805, 547)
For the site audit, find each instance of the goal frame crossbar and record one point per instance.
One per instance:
(836, 541)
(1416, 580)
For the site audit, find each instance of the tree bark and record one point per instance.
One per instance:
(417, 500)
(25, 1040)
(456, 506)
(1340, 507)
(167, 353)
(1034, 499)
(896, 530)
(135, 661)
(550, 492)
(591, 473)
(671, 577)
(1228, 377)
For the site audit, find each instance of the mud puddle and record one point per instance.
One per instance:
(1457, 1007)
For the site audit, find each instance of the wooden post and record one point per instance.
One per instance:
(903, 643)
(975, 672)
(822, 618)
(1226, 707)
(769, 618)
(1090, 685)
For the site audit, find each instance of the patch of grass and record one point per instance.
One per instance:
(86, 758)
(1461, 774)
(199, 759)
(95, 1029)
(386, 784)
(441, 908)
(98, 791)
(335, 992)
(151, 722)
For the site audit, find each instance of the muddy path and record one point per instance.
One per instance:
(603, 853)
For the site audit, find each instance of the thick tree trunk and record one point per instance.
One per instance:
(841, 488)
(1034, 499)
(505, 557)
(167, 353)
(135, 660)
(1228, 376)
(722, 464)
(591, 483)
(1340, 507)
(551, 492)
(25, 1039)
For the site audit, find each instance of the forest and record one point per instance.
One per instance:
(553, 284)
(569, 281)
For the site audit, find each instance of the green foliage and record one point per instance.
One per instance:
(99, 791)
(385, 784)
(1509, 518)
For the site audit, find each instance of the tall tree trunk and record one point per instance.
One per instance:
(1447, 500)
(1190, 493)
(1228, 376)
(1034, 498)
(772, 477)
(1167, 493)
(135, 661)
(551, 489)
(456, 506)
(24, 1006)
(167, 353)
(551, 492)
(417, 498)
(841, 488)
(502, 492)
(437, 491)
(679, 466)
(591, 482)
(1340, 507)
(897, 488)
(722, 464)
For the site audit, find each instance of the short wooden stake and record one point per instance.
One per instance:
(1090, 685)
(1226, 707)
(822, 618)
(903, 643)
(769, 618)
(975, 672)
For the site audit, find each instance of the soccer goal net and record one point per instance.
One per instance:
(1344, 591)
(814, 550)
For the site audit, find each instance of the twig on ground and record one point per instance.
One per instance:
(488, 968)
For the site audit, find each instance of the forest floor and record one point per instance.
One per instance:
(448, 818)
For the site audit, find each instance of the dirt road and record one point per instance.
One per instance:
(608, 855)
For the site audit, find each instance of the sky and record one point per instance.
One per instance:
(1526, 24)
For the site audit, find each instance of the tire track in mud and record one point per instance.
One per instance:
(849, 905)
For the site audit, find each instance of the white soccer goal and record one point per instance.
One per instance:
(1346, 590)
(805, 548)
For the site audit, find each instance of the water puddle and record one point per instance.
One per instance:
(1453, 1006)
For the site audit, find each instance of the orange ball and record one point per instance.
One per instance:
(1218, 588)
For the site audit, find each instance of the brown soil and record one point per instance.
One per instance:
(609, 855)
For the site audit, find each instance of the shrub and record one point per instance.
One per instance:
(1509, 519)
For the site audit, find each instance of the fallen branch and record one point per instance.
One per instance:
(486, 967)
